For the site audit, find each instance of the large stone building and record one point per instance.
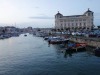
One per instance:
(74, 22)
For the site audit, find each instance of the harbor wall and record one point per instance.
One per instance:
(89, 42)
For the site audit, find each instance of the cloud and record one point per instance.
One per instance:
(41, 17)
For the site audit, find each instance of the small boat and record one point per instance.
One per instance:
(81, 44)
(57, 40)
(46, 38)
(25, 35)
(71, 45)
(76, 47)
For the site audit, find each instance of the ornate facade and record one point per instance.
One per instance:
(74, 22)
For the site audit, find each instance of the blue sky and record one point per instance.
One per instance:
(40, 13)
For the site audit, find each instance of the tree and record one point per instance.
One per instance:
(61, 29)
(58, 30)
(98, 27)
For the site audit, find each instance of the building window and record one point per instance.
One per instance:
(88, 14)
(80, 24)
(84, 19)
(76, 20)
(84, 27)
(72, 24)
(64, 20)
(60, 16)
(65, 24)
(61, 20)
(72, 27)
(72, 20)
(80, 20)
(76, 24)
(68, 20)
(61, 26)
(87, 28)
(84, 24)
(68, 24)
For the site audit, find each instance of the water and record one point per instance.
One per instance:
(32, 56)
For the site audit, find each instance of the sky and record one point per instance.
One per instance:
(40, 13)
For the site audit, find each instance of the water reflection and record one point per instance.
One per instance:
(69, 53)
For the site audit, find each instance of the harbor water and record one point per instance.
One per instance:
(32, 55)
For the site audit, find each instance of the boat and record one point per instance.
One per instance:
(2, 37)
(46, 38)
(57, 40)
(54, 40)
(81, 44)
(76, 47)
(25, 35)
(71, 45)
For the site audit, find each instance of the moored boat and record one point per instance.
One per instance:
(46, 38)
(81, 44)
(25, 35)
(76, 47)
(57, 40)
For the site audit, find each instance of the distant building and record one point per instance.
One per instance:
(45, 30)
(74, 22)
(29, 29)
(2, 30)
(10, 29)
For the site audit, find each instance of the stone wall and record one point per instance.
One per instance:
(88, 41)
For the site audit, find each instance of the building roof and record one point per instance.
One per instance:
(74, 16)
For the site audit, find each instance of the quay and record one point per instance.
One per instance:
(93, 42)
